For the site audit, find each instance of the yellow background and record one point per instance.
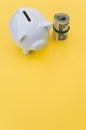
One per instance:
(45, 90)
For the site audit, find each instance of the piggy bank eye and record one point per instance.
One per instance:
(27, 16)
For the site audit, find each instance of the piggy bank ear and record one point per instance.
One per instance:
(46, 24)
(21, 36)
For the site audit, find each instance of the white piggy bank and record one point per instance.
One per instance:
(29, 29)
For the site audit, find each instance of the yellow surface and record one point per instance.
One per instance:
(47, 89)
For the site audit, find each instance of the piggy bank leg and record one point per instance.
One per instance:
(26, 52)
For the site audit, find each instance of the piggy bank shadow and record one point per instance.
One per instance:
(35, 55)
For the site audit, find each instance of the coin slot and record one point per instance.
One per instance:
(27, 16)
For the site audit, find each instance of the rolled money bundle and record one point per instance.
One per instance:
(61, 26)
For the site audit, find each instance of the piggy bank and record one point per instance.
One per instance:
(28, 29)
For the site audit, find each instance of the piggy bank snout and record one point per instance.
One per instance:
(39, 44)
(47, 25)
